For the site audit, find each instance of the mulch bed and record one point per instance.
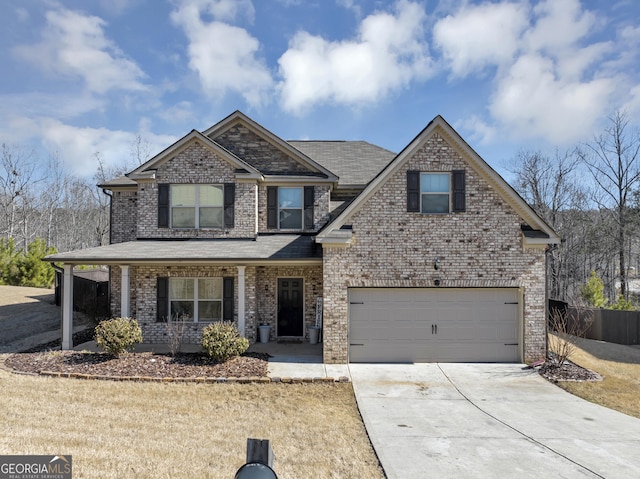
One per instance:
(49, 358)
(144, 365)
(567, 372)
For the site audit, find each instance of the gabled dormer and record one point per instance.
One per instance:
(294, 192)
(196, 189)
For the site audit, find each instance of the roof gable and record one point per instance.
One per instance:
(147, 170)
(265, 151)
(335, 232)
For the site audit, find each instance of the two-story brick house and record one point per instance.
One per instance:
(427, 255)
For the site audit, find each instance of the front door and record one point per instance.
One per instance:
(290, 307)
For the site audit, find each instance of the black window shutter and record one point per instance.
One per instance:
(163, 205)
(229, 201)
(308, 207)
(459, 196)
(272, 206)
(413, 191)
(227, 298)
(162, 296)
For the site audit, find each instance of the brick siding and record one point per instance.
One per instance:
(260, 296)
(124, 219)
(481, 247)
(196, 165)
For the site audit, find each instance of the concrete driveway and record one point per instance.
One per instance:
(489, 421)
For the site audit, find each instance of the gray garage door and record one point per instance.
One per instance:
(433, 325)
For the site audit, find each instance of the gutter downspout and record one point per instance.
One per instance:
(110, 242)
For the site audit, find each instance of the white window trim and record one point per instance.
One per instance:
(301, 208)
(195, 298)
(448, 193)
(196, 206)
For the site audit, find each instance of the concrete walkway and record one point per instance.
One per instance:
(489, 421)
(301, 360)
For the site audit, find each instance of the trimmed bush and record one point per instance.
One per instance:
(222, 341)
(118, 335)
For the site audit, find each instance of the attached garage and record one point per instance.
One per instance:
(434, 325)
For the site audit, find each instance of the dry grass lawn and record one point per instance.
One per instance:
(149, 430)
(620, 366)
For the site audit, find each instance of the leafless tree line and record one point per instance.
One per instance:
(590, 195)
(38, 199)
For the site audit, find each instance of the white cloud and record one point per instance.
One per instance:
(182, 112)
(480, 36)
(558, 26)
(351, 5)
(74, 44)
(632, 105)
(224, 56)
(550, 80)
(388, 53)
(77, 146)
(36, 104)
(534, 102)
(483, 132)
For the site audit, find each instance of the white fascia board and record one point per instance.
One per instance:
(143, 175)
(335, 237)
(539, 242)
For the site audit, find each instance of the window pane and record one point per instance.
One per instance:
(291, 219)
(435, 203)
(210, 195)
(290, 197)
(210, 288)
(181, 288)
(434, 183)
(209, 310)
(182, 310)
(210, 217)
(183, 195)
(183, 217)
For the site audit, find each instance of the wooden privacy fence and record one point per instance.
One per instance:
(620, 327)
(90, 292)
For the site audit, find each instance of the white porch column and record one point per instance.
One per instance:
(67, 307)
(241, 299)
(125, 292)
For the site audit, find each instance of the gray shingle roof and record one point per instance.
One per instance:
(119, 181)
(355, 162)
(264, 248)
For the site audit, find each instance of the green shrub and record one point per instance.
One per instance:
(222, 341)
(118, 335)
(622, 304)
(593, 292)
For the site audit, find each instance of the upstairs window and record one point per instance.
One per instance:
(290, 208)
(435, 192)
(197, 206)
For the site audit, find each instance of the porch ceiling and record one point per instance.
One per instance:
(264, 249)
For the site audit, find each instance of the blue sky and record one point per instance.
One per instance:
(87, 76)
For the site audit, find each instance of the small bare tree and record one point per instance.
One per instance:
(567, 325)
(176, 327)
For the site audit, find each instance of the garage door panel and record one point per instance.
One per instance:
(397, 325)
